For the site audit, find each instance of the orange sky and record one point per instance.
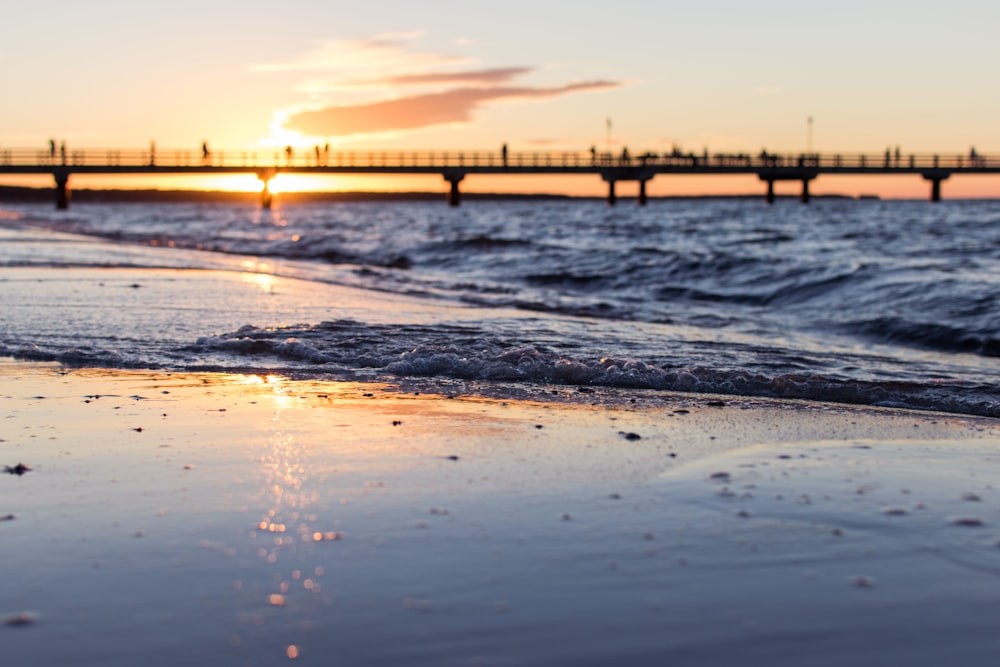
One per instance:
(728, 76)
(888, 187)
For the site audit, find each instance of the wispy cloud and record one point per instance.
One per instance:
(416, 111)
(354, 87)
(351, 56)
(468, 77)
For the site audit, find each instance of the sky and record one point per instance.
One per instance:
(721, 75)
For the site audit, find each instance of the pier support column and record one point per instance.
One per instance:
(642, 193)
(612, 198)
(769, 197)
(62, 190)
(805, 191)
(266, 196)
(454, 196)
(935, 177)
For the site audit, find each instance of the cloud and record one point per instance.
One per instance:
(417, 111)
(347, 56)
(474, 77)
(356, 86)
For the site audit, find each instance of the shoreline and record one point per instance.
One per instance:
(227, 518)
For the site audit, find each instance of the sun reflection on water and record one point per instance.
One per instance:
(288, 521)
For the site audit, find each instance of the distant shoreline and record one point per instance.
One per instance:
(10, 193)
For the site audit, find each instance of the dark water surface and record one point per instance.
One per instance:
(867, 302)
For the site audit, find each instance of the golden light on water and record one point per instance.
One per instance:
(284, 182)
(264, 281)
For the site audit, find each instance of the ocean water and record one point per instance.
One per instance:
(868, 302)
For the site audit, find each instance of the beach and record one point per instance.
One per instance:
(249, 519)
(499, 335)
(220, 449)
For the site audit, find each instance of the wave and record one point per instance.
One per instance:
(470, 353)
(858, 302)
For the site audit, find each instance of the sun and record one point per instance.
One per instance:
(285, 182)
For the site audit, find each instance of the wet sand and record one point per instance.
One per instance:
(248, 520)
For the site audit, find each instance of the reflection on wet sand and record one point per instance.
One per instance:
(253, 519)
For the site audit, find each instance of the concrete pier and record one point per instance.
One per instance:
(266, 196)
(935, 177)
(455, 166)
(62, 189)
(454, 178)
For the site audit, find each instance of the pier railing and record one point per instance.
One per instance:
(454, 166)
(541, 160)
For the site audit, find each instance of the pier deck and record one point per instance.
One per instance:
(454, 166)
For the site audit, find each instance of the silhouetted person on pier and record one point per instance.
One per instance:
(62, 151)
(205, 153)
(593, 155)
(52, 148)
(625, 156)
(152, 153)
(503, 154)
(288, 154)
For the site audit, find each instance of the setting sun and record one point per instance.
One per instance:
(303, 183)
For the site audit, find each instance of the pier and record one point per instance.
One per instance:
(455, 166)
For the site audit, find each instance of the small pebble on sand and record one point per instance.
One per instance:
(968, 521)
(20, 619)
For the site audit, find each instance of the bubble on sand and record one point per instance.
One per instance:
(862, 581)
(971, 497)
(894, 511)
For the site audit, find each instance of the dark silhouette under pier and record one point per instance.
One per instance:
(455, 166)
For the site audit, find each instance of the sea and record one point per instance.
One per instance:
(855, 301)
